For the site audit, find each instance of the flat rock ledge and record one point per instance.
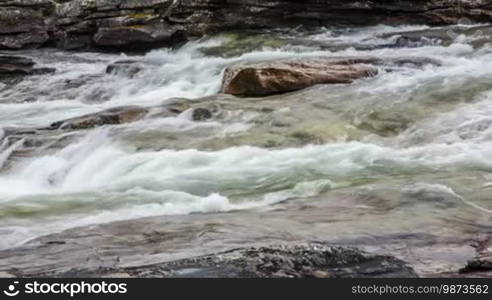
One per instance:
(482, 262)
(305, 260)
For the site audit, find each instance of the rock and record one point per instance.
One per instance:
(441, 36)
(127, 114)
(111, 116)
(201, 114)
(15, 65)
(269, 78)
(482, 263)
(208, 15)
(25, 23)
(14, 68)
(134, 37)
(383, 123)
(24, 40)
(127, 68)
(124, 24)
(115, 24)
(42, 71)
(414, 62)
(289, 261)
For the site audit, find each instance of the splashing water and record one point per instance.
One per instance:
(100, 178)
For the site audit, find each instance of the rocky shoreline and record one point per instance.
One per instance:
(273, 104)
(133, 25)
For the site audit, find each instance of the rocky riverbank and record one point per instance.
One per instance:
(137, 24)
(333, 151)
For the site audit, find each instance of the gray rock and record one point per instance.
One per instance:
(282, 76)
(288, 261)
(127, 68)
(135, 37)
(482, 263)
(206, 15)
(201, 114)
(111, 116)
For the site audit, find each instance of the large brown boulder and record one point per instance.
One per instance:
(269, 78)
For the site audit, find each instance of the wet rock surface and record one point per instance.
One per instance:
(25, 23)
(112, 116)
(283, 76)
(200, 246)
(13, 68)
(15, 65)
(393, 165)
(482, 262)
(313, 260)
(128, 68)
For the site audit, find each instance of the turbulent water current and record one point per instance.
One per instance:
(409, 150)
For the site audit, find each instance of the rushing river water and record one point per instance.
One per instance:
(433, 175)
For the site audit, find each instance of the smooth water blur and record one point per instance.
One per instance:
(446, 153)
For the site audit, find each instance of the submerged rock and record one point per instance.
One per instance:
(123, 24)
(201, 114)
(19, 65)
(135, 36)
(300, 260)
(128, 114)
(477, 35)
(383, 123)
(268, 78)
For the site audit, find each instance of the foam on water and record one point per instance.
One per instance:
(372, 35)
(80, 85)
(97, 181)
(97, 163)
(101, 179)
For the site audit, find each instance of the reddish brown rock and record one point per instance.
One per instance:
(269, 78)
